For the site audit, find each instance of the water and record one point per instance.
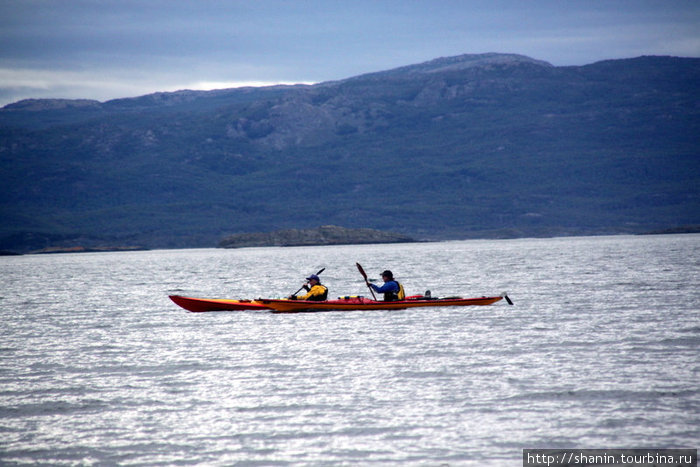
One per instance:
(600, 350)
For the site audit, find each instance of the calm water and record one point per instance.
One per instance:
(601, 350)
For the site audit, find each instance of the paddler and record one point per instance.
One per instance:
(391, 289)
(315, 291)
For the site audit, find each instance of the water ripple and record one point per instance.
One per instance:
(97, 366)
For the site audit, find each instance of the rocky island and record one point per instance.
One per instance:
(324, 235)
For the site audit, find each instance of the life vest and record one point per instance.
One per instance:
(395, 296)
(319, 297)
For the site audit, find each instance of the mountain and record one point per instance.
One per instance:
(491, 145)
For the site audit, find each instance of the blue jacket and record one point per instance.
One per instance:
(390, 289)
(390, 286)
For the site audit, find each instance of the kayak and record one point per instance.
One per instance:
(341, 304)
(362, 303)
(216, 304)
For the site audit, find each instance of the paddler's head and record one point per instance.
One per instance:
(313, 279)
(387, 276)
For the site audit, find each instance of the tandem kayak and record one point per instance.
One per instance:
(216, 304)
(362, 303)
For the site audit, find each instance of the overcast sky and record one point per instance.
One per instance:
(102, 49)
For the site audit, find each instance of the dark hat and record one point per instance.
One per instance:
(313, 276)
(388, 274)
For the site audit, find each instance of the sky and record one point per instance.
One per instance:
(106, 49)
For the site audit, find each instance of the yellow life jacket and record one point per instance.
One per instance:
(401, 294)
(317, 293)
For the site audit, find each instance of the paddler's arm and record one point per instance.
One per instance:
(315, 290)
(390, 286)
(305, 287)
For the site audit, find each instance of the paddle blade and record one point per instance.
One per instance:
(362, 271)
(364, 274)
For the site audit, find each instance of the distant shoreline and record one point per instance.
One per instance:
(82, 249)
(323, 235)
(675, 230)
(286, 238)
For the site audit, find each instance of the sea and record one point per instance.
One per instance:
(600, 350)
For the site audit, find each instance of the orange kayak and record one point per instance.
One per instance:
(361, 303)
(216, 304)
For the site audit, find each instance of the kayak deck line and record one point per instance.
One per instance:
(361, 303)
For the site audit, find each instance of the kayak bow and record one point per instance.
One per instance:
(216, 304)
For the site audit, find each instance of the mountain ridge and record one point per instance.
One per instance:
(450, 62)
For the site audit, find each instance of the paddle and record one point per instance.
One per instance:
(364, 274)
(319, 272)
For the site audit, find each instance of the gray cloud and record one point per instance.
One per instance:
(101, 49)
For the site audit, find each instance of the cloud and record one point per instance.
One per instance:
(102, 50)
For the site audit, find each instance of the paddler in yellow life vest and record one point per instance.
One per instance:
(316, 291)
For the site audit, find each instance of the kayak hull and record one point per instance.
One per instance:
(361, 303)
(216, 304)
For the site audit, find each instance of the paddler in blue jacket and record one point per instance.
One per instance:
(316, 291)
(391, 289)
